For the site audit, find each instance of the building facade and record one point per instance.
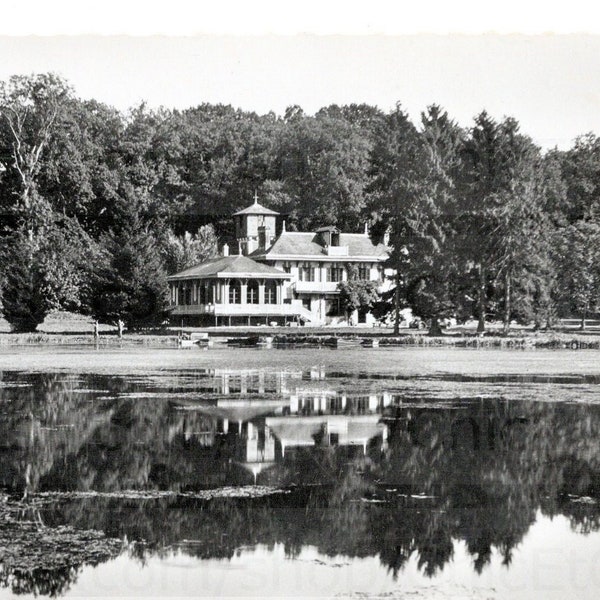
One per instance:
(285, 277)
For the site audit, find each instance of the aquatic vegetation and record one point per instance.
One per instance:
(38, 559)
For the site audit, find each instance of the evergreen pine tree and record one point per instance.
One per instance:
(130, 284)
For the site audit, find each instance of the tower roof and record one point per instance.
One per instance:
(256, 209)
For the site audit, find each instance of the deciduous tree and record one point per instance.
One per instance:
(578, 258)
(357, 294)
(45, 270)
(187, 250)
(30, 111)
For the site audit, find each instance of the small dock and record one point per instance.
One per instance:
(194, 340)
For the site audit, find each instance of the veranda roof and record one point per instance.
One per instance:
(230, 266)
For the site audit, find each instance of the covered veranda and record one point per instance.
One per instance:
(232, 290)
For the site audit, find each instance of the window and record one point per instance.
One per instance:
(334, 308)
(235, 292)
(185, 294)
(364, 272)
(306, 272)
(252, 292)
(286, 267)
(271, 292)
(203, 293)
(334, 273)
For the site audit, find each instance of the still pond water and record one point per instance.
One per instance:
(360, 473)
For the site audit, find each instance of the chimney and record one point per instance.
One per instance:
(386, 237)
(367, 229)
(262, 237)
(225, 250)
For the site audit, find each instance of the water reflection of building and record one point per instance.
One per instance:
(249, 381)
(331, 430)
(328, 418)
(257, 432)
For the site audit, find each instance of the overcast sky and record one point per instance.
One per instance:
(258, 56)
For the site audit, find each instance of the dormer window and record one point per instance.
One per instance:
(329, 236)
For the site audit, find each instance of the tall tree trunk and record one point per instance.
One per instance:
(397, 305)
(507, 307)
(481, 299)
(583, 315)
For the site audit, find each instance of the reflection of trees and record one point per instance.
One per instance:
(476, 472)
(55, 437)
(47, 420)
(490, 467)
(39, 582)
(218, 527)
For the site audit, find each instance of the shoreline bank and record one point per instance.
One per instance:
(316, 338)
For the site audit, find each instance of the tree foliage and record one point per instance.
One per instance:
(187, 250)
(579, 258)
(48, 270)
(30, 112)
(358, 295)
(130, 281)
(503, 202)
(413, 193)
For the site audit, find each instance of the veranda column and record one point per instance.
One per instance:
(212, 293)
(225, 292)
(225, 384)
(279, 295)
(244, 291)
(261, 291)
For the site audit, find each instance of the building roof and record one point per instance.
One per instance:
(301, 431)
(256, 209)
(230, 266)
(238, 414)
(298, 244)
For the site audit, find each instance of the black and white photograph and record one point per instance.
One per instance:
(300, 300)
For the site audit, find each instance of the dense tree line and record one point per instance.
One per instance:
(99, 206)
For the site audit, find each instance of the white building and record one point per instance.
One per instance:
(292, 276)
